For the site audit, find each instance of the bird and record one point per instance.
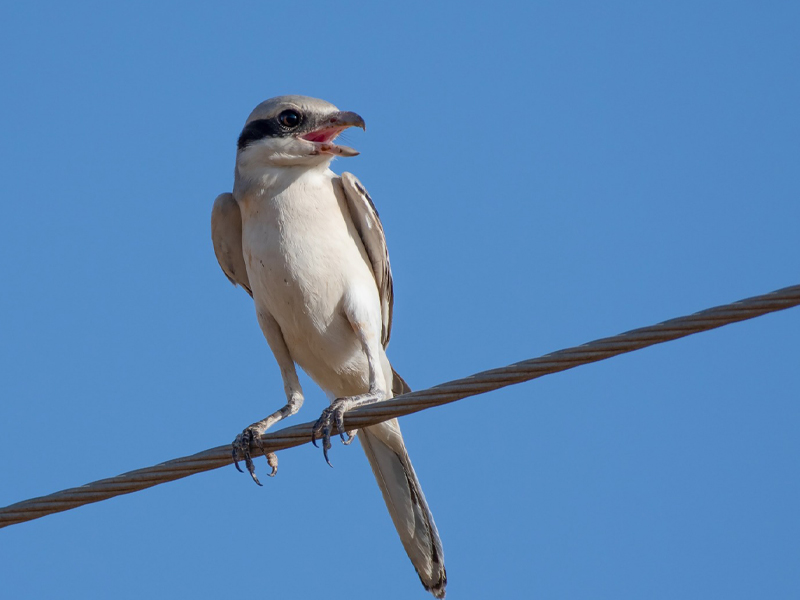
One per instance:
(308, 246)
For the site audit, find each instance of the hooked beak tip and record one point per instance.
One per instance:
(348, 119)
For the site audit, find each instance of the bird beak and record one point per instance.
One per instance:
(331, 127)
(345, 119)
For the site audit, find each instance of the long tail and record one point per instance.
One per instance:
(386, 452)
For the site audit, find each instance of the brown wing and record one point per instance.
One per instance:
(369, 227)
(226, 234)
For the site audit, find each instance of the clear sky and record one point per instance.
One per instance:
(547, 173)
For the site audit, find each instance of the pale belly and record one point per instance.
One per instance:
(298, 278)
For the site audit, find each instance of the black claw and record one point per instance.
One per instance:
(326, 442)
(251, 468)
(326, 435)
(235, 456)
(340, 424)
(253, 475)
(314, 436)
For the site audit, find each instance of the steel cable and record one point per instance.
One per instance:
(445, 393)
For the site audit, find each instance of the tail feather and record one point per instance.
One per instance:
(399, 385)
(387, 455)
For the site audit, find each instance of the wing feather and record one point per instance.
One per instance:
(226, 234)
(370, 229)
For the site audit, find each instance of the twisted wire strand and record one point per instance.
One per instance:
(445, 393)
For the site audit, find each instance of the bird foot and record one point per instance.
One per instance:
(334, 415)
(241, 450)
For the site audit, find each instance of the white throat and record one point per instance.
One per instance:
(270, 179)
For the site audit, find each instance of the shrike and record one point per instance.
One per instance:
(308, 246)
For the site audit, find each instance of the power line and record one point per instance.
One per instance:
(445, 393)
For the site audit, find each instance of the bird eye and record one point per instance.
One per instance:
(289, 118)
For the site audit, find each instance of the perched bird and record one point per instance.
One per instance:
(308, 246)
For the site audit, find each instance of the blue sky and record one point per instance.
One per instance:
(547, 173)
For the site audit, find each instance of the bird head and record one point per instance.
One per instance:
(294, 131)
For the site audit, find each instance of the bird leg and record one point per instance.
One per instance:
(294, 400)
(334, 414)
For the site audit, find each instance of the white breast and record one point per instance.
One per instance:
(303, 255)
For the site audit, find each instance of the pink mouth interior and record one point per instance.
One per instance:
(323, 135)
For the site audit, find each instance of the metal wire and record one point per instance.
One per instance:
(445, 393)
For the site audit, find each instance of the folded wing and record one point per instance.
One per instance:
(369, 227)
(226, 234)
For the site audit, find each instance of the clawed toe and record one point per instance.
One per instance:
(240, 450)
(272, 461)
(322, 430)
(338, 414)
(333, 415)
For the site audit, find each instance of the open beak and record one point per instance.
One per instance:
(330, 128)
